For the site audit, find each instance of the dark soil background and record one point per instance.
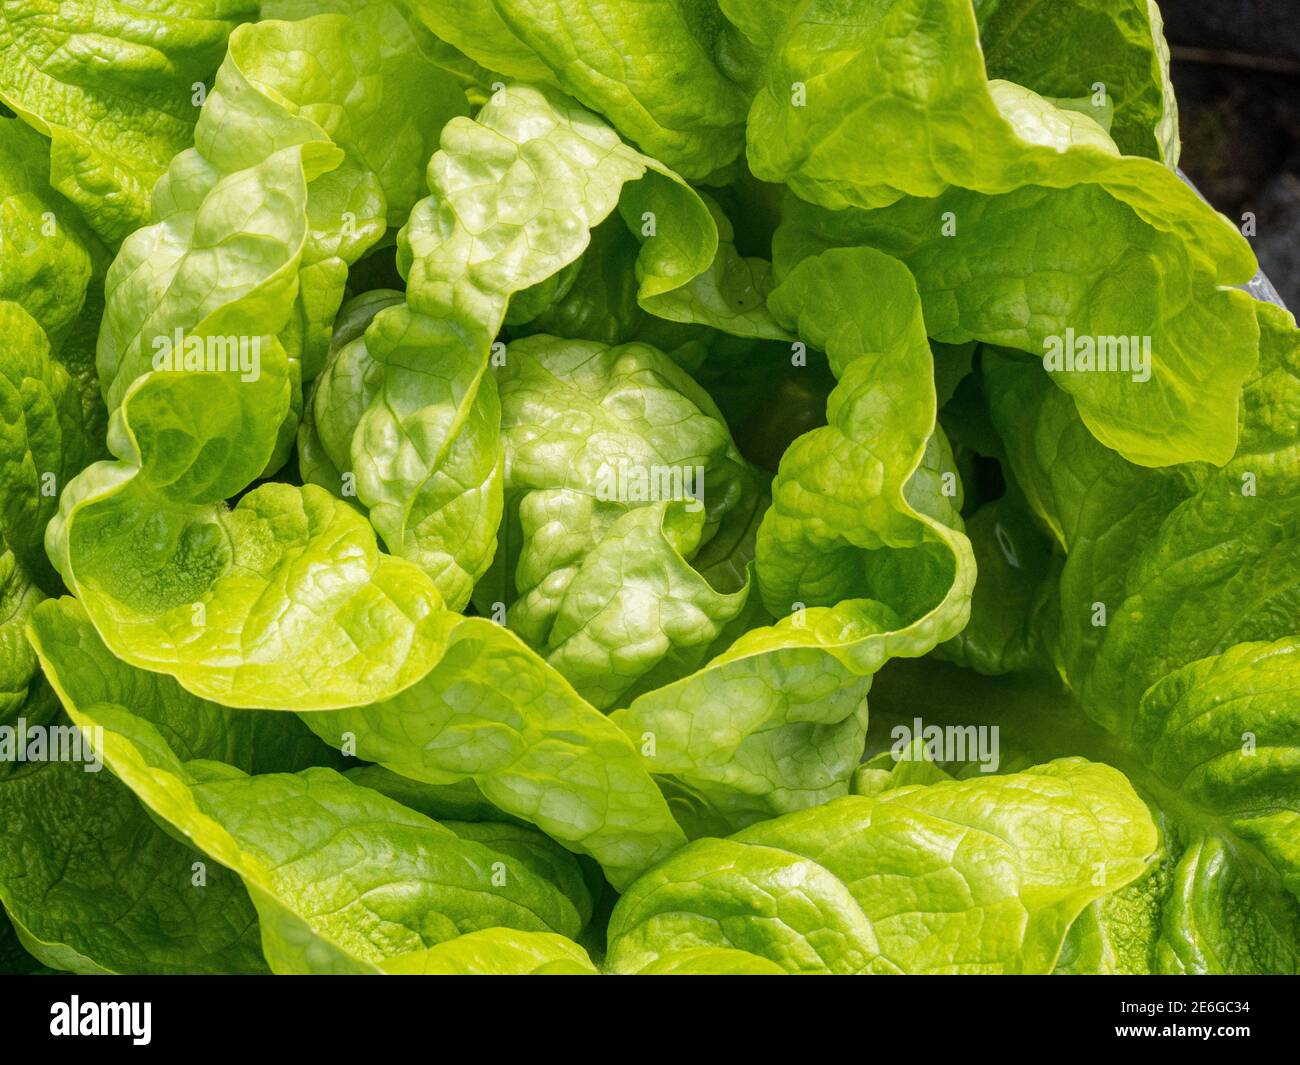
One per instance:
(1236, 69)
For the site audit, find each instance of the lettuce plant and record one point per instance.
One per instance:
(695, 486)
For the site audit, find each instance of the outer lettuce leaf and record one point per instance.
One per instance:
(410, 411)
(1065, 49)
(1190, 670)
(954, 877)
(492, 712)
(363, 83)
(90, 880)
(651, 67)
(1225, 732)
(342, 877)
(50, 411)
(94, 886)
(114, 87)
(232, 602)
(926, 122)
(1211, 750)
(898, 102)
(1018, 270)
(862, 569)
(577, 880)
(1188, 562)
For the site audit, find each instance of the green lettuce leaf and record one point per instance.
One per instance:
(92, 883)
(926, 117)
(117, 89)
(1211, 751)
(493, 713)
(860, 569)
(496, 952)
(652, 68)
(621, 470)
(173, 579)
(1012, 269)
(1161, 567)
(407, 417)
(953, 877)
(43, 442)
(1083, 48)
(342, 877)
